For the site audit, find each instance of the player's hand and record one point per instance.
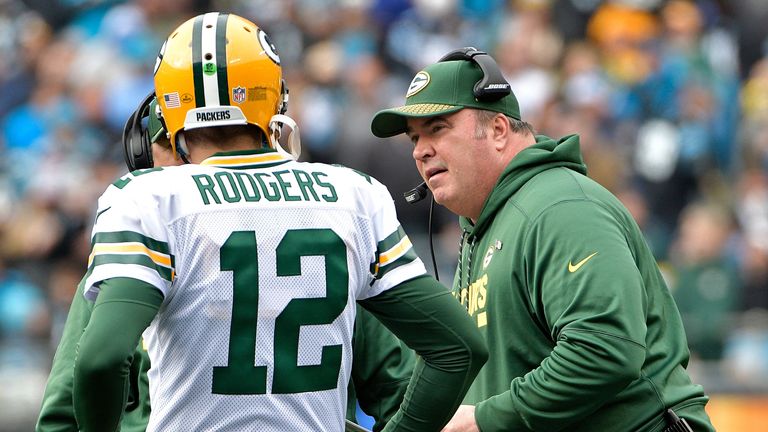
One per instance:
(463, 420)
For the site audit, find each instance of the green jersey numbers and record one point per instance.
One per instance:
(289, 377)
(240, 256)
(240, 376)
(124, 180)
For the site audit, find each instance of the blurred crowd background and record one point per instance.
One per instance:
(670, 99)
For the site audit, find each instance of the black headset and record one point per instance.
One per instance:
(492, 86)
(137, 145)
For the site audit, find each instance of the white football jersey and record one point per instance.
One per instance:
(260, 259)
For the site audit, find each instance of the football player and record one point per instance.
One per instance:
(381, 365)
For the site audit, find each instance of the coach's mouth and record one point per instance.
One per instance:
(433, 172)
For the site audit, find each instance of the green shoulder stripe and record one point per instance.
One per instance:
(142, 260)
(128, 247)
(130, 237)
(391, 240)
(362, 174)
(405, 259)
(124, 180)
(394, 251)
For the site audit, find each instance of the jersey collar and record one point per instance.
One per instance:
(247, 159)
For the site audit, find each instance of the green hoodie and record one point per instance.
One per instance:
(582, 331)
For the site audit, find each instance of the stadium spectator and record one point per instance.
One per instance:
(705, 278)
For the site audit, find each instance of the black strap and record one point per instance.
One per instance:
(675, 423)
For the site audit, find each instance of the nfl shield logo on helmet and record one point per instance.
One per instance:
(238, 94)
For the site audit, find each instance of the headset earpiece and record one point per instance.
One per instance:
(492, 86)
(136, 143)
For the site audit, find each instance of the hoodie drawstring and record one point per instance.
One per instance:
(464, 284)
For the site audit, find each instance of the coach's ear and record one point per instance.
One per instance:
(500, 131)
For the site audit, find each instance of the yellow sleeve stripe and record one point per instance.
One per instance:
(398, 250)
(129, 249)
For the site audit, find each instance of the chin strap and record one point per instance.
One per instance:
(294, 137)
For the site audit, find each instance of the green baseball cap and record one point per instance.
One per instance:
(155, 127)
(441, 88)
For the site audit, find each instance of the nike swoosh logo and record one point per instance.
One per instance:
(572, 268)
(100, 213)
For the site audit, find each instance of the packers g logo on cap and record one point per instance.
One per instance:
(418, 83)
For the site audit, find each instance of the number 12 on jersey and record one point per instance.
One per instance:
(239, 255)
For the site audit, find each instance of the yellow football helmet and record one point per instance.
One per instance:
(218, 69)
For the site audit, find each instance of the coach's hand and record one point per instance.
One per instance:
(463, 420)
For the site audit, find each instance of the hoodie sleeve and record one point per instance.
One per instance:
(102, 365)
(381, 368)
(586, 288)
(450, 350)
(57, 412)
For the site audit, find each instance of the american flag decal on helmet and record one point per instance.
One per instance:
(172, 100)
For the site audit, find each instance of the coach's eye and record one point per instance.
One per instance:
(437, 128)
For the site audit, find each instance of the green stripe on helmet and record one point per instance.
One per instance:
(197, 61)
(221, 58)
